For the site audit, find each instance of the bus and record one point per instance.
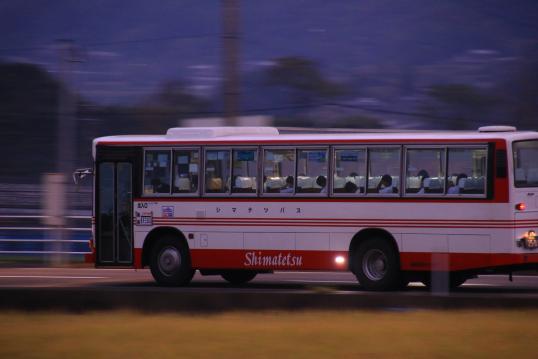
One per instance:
(391, 207)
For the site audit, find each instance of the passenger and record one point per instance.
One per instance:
(385, 185)
(422, 174)
(289, 185)
(159, 186)
(454, 187)
(350, 187)
(322, 182)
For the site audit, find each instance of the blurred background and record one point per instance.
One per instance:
(71, 71)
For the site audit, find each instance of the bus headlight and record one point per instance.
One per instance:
(529, 240)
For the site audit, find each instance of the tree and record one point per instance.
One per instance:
(28, 112)
(465, 105)
(303, 78)
(520, 91)
(174, 95)
(171, 102)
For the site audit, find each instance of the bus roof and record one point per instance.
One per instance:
(265, 135)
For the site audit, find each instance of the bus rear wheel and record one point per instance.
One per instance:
(170, 262)
(376, 265)
(239, 276)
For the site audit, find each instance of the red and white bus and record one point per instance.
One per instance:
(389, 206)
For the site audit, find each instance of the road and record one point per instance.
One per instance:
(82, 289)
(340, 282)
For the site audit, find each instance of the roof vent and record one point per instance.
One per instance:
(205, 132)
(497, 129)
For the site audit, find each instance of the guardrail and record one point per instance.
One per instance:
(18, 198)
(24, 234)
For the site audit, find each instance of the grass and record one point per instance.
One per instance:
(378, 334)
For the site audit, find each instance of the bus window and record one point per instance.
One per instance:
(186, 171)
(279, 171)
(383, 170)
(425, 172)
(311, 171)
(349, 171)
(467, 171)
(157, 172)
(245, 167)
(526, 163)
(217, 171)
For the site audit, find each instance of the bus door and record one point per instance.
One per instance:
(113, 211)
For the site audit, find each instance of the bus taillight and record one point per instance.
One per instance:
(521, 206)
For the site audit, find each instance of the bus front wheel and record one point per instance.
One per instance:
(170, 262)
(376, 265)
(238, 276)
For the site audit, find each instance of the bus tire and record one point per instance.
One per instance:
(239, 276)
(456, 281)
(170, 262)
(403, 283)
(377, 266)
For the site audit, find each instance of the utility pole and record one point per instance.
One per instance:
(66, 110)
(230, 60)
(55, 199)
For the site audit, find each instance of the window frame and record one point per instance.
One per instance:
(330, 151)
(333, 169)
(162, 149)
(263, 193)
(487, 178)
(513, 145)
(445, 169)
(216, 194)
(198, 191)
(243, 148)
(387, 195)
(327, 156)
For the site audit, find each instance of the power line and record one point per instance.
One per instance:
(391, 112)
(25, 49)
(112, 43)
(171, 112)
(135, 41)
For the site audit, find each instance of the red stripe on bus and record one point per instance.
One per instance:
(462, 261)
(138, 258)
(325, 260)
(267, 259)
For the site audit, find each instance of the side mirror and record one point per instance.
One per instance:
(80, 173)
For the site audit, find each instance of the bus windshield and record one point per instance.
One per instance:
(526, 163)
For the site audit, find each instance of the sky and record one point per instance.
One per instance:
(127, 48)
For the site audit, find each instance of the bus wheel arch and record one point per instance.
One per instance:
(153, 236)
(375, 260)
(167, 253)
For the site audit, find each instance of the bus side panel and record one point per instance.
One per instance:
(268, 259)
(448, 235)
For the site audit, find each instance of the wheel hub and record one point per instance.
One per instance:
(374, 264)
(169, 260)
